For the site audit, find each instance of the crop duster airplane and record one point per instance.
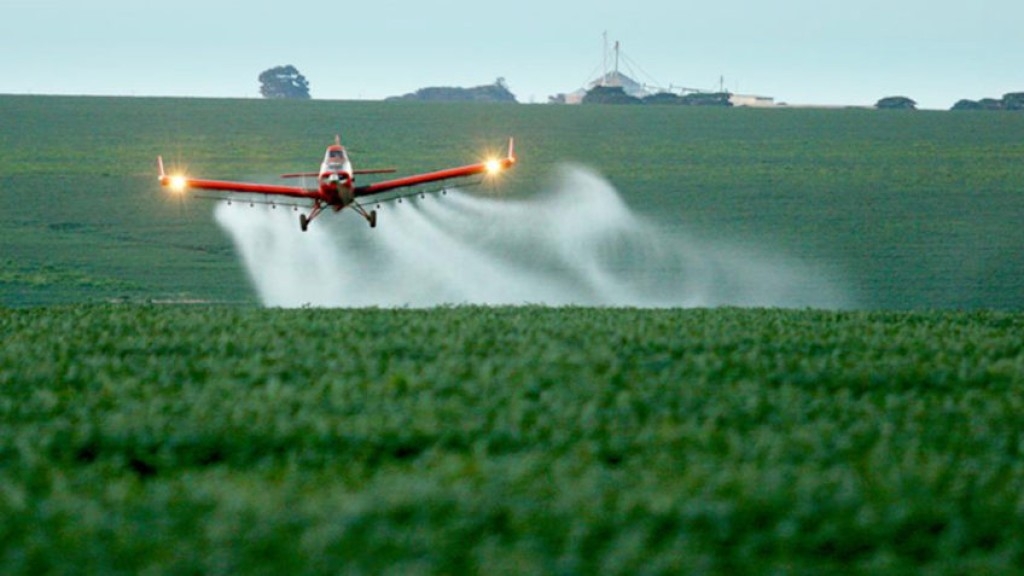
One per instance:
(336, 184)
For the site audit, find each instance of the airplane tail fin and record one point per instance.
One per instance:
(160, 166)
(511, 149)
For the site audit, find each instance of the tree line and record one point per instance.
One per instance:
(497, 92)
(1011, 101)
(617, 95)
(287, 82)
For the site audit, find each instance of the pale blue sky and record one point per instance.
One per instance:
(797, 51)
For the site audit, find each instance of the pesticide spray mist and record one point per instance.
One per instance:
(576, 244)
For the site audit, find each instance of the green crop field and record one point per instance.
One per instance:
(904, 210)
(139, 434)
(497, 440)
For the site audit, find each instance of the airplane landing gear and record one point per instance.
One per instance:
(305, 220)
(371, 216)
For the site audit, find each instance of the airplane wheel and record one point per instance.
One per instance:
(303, 222)
(373, 219)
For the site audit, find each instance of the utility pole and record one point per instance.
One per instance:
(604, 58)
(616, 59)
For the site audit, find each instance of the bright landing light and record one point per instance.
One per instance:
(178, 183)
(493, 166)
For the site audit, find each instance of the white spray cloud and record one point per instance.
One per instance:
(577, 244)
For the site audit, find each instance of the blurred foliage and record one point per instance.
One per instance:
(225, 440)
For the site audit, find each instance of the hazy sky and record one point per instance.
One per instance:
(797, 51)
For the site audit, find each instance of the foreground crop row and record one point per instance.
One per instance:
(223, 440)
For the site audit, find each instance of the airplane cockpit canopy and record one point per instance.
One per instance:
(336, 157)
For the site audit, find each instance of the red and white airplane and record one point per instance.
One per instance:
(337, 187)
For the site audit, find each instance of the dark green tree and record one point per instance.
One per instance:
(896, 103)
(966, 104)
(991, 104)
(1013, 101)
(284, 82)
(609, 95)
(707, 99)
(497, 92)
(663, 98)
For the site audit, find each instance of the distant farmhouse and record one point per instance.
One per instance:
(751, 101)
(615, 87)
(613, 79)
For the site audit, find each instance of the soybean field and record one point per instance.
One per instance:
(898, 210)
(161, 413)
(218, 439)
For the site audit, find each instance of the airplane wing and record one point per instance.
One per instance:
(181, 183)
(490, 167)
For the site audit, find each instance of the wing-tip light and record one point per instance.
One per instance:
(177, 183)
